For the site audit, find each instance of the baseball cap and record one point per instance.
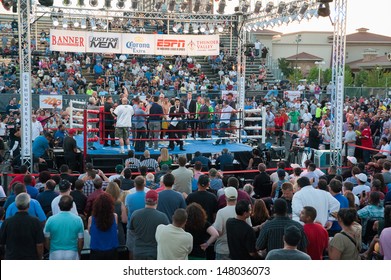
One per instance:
(362, 177)
(295, 165)
(231, 193)
(119, 168)
(203, 180)
(72, 131)
(64, 185)
(353, 160)
(151, 196)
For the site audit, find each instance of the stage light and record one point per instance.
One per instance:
(211, 28)
(83, 24)
(324, 10)
(65, 23)
(66, 2)
(209, 7)
(269, 7)
(245, 6)
(195, 28)
(93, 3)
(292, 8)
(183, 6)
(93, 24)
(303, 8)
(281, 7)
(220, 28)
(46, 3)
(202, 28)
(186, 27)
(221, 7)
(134, 5)
(55, 21)
(324, 1)
(76, 23)
(171, 5)
(107, 4)
(177, 27)
(120, 4)
(197, 5)
(258, 7)
(80, 3)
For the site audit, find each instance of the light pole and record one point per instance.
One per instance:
(319, 63)
(297, 40)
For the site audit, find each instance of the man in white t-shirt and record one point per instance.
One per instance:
(124, 113)
(36, 128)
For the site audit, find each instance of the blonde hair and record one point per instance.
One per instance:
(164, 156)
(114, 190)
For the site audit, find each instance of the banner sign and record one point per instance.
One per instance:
(144, 44)
(103, 42)
(67, 40)
(292, 95)
(47, 101)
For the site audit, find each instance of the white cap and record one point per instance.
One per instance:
(231, 193)
(353, 160)
(295, 165)
(362, 177)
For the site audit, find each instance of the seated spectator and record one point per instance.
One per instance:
(149, 162)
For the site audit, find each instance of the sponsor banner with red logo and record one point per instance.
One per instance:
(292, 94)
(47, 101)
(103, 42)
(67, 40)
(201, 45)
(138, 44)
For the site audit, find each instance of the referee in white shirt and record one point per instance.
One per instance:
(124, 113)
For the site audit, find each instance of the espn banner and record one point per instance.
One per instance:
(125, 43)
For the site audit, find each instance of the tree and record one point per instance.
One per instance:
(295, 76)
(285, 67)
(313, 74)
(349, 81)
(361, 78)
(327, 75)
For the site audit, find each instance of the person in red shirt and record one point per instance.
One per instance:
(366, 141)
(279, 122)
(317, 235)
(19, 178)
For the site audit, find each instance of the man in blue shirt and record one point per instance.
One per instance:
(225, 160)
(60, 135)
(98, 70)
(40, 147)
(206, 163)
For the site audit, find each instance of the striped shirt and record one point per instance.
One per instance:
(132, 163)
(150, 163)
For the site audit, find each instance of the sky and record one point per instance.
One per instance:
(374, 15)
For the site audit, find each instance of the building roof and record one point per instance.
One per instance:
(362, 35)
(380, 61)
(266, 32)
(303, 56)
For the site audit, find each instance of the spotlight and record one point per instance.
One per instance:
(195, 28)
(292, 8)
(197, 5)
(65, 23)
(80, 3)
(186, 28)
(258, 6)
(83, 24)
(209, 7)
(93, 24)
(120, 4)
(202, 28)
(211, 28)
(183, 6)
(66, 2)
(171, 5)
(324, 9)
(93, 3)
(269, 7)
(245, 6)
(107, 4)
(46, 3)
(177, 27)
(221, 7)
(55, 21)
(281, 7)
(76, 24)
(303, 8)
(134, 4)
(220, 28)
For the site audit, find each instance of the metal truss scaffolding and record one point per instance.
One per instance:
(338, 76)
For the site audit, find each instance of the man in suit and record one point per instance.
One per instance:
(203, 117)
(191, 106)
(262, 183)
(177, 115)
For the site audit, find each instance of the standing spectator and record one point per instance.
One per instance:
(22, 234)
(317, 236)
(102, 226)
(203, 118)
(140, 126)
(64, 233)
(183, 177)
(242, 195)
(70, 150)
(36, 128)
(225, 118)
(335, 188)
(155, 122)
(170, 200)
(173, 243)
(109, 121)
(191, 106)
(350, 138)
(366, 141)
(65, 189)
(79, 197)
(177, 123)
(143, 224)
(124, 113)
(294, 119)
(240, 235)
(94, 195)
(262, 183)
(46, 197)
